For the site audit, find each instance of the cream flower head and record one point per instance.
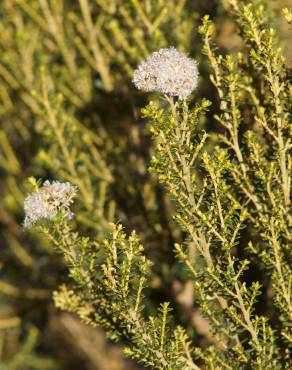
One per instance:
(169, 72)
(47, 201)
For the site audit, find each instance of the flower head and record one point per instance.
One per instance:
(167, 71)
(47, 201)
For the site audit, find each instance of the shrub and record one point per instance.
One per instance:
(229, 185)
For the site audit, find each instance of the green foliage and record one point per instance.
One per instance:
(67, 113)
(109, 281)
(25, 358)
(223, 222)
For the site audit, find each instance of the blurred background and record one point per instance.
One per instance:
(69, 111)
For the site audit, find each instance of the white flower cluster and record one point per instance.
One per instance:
(45, 203)
(169, 72)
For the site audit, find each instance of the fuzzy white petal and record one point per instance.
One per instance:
(169, 72)
(45, 203)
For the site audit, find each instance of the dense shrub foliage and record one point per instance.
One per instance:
(146, 184)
